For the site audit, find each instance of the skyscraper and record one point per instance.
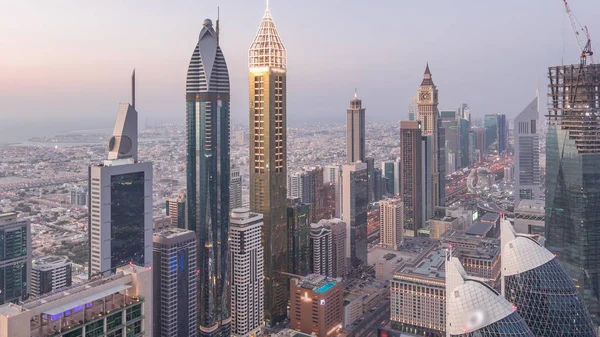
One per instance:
(355, 131)
(391, 230)
(208, 177)
(474, 309)
(338, 245)
(534, 281)
(298, 228)
(572, 181)
(268, 163)
(411, 181)
(321, 249)
(247, 273)
(235, 198)
(15, 261)
(527, 153)
(176, 210)
(175, 283)
(429, 117)
(490, 124)
(352, 205)
(50, 273)
(390, 171)
(120, 222)
(449, 122)
(427, 209)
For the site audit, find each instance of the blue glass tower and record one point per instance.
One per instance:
(207, 103)
(539, 287)
(573, 177)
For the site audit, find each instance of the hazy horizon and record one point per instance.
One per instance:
(68, 62)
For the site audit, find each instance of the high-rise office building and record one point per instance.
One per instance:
(572, 184)
(449, 122)
(318, 197)
(79, 196)
(321, 249)
(390, 171)
(113, 305)
(301, 185)
(378, 184)
(235, 190)
(534, 281)
(247, 273)
(298, 229)
(208, 177)
(502, 134)
(120, 222)
(411, 181)
(268, 164)
(527, 153)
(50, 273)
(338, 245)
(464, 140)
(355, 131)
(391, 230)
(474, 309)
(175, 283)
(15, 261)
(490, 125)
(480, 141)
(352, 205)
(176, 210)
(317, 305)
(427, 210)
(430, 125)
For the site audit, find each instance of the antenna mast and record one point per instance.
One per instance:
(133, 89)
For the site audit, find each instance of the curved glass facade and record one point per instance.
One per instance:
(548, 301)
(510, 326)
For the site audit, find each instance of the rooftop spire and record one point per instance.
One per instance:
(427, 77)
(355, 94)
(267, 50)
(133, 89)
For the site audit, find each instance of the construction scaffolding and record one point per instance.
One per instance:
(574, 104)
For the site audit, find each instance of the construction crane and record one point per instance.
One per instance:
(586, 49)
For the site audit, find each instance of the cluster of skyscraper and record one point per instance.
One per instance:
(221, 270)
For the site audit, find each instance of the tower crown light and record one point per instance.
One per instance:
(267, 50)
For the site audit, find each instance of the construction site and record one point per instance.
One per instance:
(574, 97)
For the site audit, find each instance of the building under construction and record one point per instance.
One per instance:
(575, 103)
(573, 176)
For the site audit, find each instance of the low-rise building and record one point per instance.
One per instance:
(480, 256)
(316, 305)
(115, 305)
(50, 273)
(530, 217)
(418, 295)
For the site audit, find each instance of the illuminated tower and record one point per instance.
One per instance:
(428, 114)
(268, 177)
(208, 177)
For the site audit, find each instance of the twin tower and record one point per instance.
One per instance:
(208, 169)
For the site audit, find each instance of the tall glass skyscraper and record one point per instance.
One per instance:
(545, 296)
(267, 84)
(527, 153)
(573, 177)
(208, 177)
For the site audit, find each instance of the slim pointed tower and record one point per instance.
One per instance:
(268, 177)
(355, 131)
(428, 114)
(207, 101)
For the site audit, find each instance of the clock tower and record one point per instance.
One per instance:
(428, 114)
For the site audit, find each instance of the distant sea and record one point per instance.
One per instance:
(19, 131)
